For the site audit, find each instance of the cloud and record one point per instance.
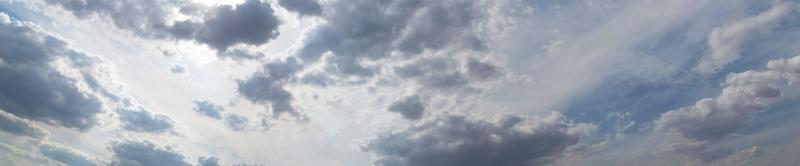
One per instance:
(251, 23)
(266, 86)
(303, 7)
(744, 95)
(364, 30)
(208, 108)
(35, 87)
(411, 107)
(725, 41)
(236, 122)
(356, 32)
(177, 69)
(12, 155)
(144, 121)
(66, 156)
(15, 125)
(458, 140)
(208, 161)
(141, 153)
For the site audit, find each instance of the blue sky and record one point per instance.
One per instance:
(399, 82)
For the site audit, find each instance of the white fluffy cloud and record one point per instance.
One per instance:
(725, 42)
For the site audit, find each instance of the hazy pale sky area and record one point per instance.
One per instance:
(399, 82)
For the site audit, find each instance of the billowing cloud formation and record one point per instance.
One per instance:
(458, 140)
(34, 87)
(208, 108)
(144, 121)
(208, 161)
(744, 95)
(15, 125)
(725, 41)
(252, 22)
(66, 156)
(141, 153)
(236, 122)
(303, 7)
(361, 31)
(411, 107)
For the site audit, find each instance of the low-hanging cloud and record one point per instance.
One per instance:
(459, 140)
(130, 152)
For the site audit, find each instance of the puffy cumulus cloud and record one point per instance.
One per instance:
(208, 161)
(66, 156)
(251, 23)
(725, 42)
(144, 121)
(411, 107)
(266, 86)
(236, 122)
(45, 80)
(303, 7)
(207, 108)
(458, 140)
(15, 125)
(140, 153)
(744, 95)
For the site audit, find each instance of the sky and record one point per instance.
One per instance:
(399, 82)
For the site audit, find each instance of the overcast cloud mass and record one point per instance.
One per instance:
(399, 82)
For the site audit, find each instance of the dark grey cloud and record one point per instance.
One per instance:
(411, 107)
(252, 22)
(266, 86)
(744, 95)
(66, 156)
(208, 108)
(303, 7)
(144, 121)
(18, 126)
(458, 140)
(208, 161)
(236, 122)
(481, 70)
(142, 153)
(33, 88)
